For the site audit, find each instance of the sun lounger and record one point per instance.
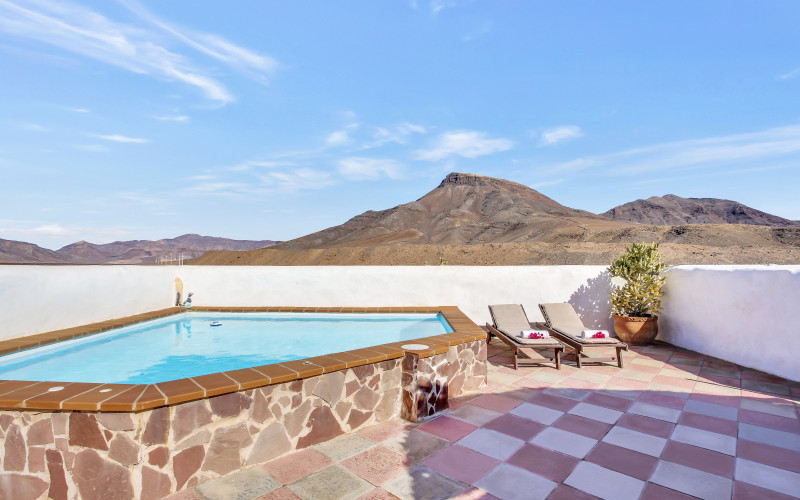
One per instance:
(509, 321)
(565, 325)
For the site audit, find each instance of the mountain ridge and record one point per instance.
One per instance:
(673, 210)
(462, 209)
(123, 252)
(470, 219)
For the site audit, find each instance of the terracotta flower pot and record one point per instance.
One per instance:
(636, 331)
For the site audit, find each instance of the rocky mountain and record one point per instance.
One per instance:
(147, 251)
(122, 252)
(674, 210)
(476, 220)
(463, 209)
(19, 252)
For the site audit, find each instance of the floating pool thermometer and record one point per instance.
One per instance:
(216, 323)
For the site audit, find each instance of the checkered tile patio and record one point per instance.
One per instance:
(671, 424)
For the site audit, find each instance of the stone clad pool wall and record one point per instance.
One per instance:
(155, 452)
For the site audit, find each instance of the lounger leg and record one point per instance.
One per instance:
(515, 360)
(558, 358)
(578, 357)
(619, 357)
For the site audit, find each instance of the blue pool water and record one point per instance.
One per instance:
(186, 345)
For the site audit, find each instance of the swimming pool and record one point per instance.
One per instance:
(198, 343)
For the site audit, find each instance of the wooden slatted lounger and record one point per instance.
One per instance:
(565, 324)
(509, 321)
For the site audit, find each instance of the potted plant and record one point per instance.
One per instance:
(636, 303)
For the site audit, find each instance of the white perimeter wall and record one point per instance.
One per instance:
(36, 299)
(744, 314)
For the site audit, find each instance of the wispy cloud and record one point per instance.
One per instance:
(338, 138)
(78, 110)
(465, 143)
(92, 148)
(253, 183)
(724, 152)
(122, 138)
(139, 49)
(358, 136)
(790, 75)
(542, 184)
(555, 135)
(251, 164)
(297, 179)
(484, 29)
(360, 168)
(438, 5)
(33, 127)
(398, 134)
(173, 118)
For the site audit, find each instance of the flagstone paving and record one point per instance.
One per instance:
(671, 424)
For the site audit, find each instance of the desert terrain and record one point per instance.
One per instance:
(476, 220)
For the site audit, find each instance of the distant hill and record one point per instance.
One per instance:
(673, 210)
(147, 251)
(122, 252)
(19, 252)
(476, 220)
(463, 209)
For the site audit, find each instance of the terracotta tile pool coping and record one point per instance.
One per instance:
(15, 394)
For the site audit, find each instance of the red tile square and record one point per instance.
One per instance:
(708, 423)
(296, 466)
(762, 377)
(646, 425)
(622, 460)
(377, 465)
(746, 491)
(606, 401)
(625, 384)
(544, 462)
(687, 354)
(699, 458)
(726, 381)
(518, 427)
(689, 367)
(768, 455)
(681, 383)
(461, 463)
(553, 402)
(383, 431)
(771, 421)
(584, 426)
(530, 383)
(451, 429)
(579, 383)
(495, 402)
(654, 491)
(473, 494)
(662, 400)
(642, 368)
(655, 356)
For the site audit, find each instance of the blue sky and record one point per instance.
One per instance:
(270, 120)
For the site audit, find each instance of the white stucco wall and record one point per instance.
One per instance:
(471, 288)
(36, 299)
(744, 314)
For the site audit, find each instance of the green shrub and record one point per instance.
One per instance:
(641, 267)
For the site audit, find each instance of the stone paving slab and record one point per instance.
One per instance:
(672, 425)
